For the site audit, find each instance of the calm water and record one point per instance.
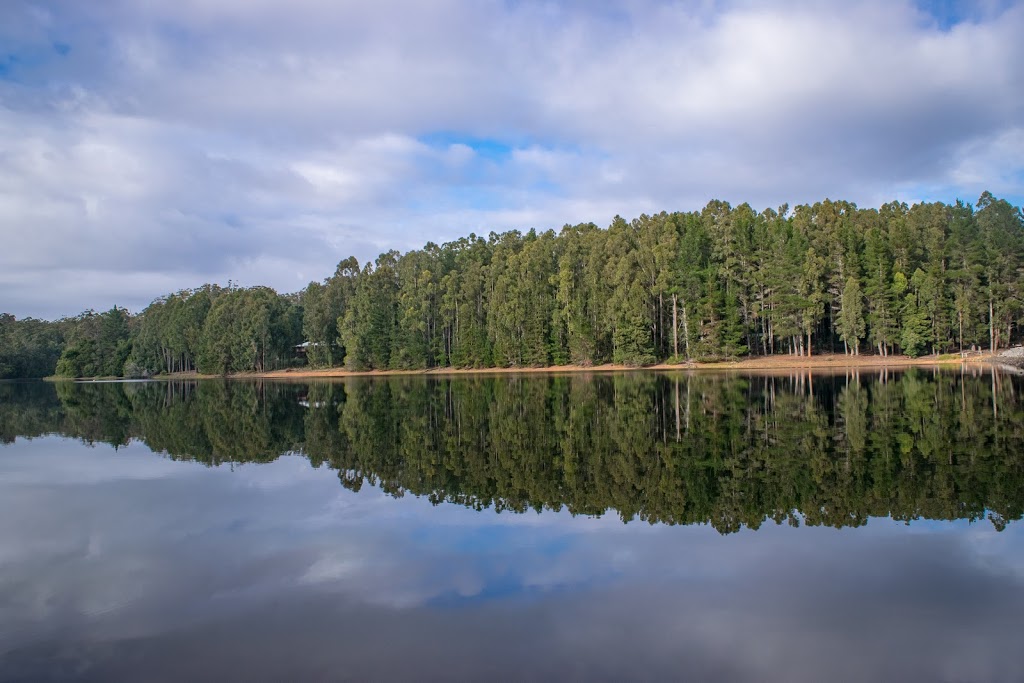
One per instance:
(853, 527)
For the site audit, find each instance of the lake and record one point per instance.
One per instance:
(856, 526)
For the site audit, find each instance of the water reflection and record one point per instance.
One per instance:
(732, 451)
(116, 564)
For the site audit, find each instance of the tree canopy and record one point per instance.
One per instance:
(721, 282)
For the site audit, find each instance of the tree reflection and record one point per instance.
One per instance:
(730, 451)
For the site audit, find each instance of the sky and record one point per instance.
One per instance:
(150, 147)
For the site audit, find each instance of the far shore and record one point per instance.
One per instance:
(821, 362)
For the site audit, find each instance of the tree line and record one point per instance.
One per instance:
(722, 282)
(212, 329)
(728, 451)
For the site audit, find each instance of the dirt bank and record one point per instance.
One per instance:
(826, 362)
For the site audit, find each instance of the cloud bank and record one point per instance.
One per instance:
(146, 147)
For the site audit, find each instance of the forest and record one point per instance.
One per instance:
(725, 450)
(722, 282)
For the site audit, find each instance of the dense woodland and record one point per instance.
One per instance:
(722, 282)
(673, 448)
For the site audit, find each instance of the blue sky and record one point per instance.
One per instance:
(147, 147)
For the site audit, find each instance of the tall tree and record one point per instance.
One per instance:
(851, 316)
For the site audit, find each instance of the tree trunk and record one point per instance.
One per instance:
(960, 316)
(675, 331)
(991, 325)
(686, 332)
(661, 324)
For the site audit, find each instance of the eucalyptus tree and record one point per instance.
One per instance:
(369, 326)
(417, 333)
(465, 293)
(98, 344)
(1000, 228)
(631, 305)
(579, 318)
(249, 330)
(724, 281)
(29, 348)
(324, 303)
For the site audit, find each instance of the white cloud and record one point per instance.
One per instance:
(264, 141)
(992, 160)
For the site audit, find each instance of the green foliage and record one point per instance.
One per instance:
(248, 330)
(323, 305)
(368, 327)
(29, 347)
(417, 344)
(851, 317)
(721, 282)
(580, 325)
(630, 304)
(97, 345)
(916, 330)
(169, 332)
(464, 303)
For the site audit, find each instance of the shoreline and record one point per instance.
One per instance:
(836, 362)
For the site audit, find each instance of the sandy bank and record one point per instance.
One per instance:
(824, 362)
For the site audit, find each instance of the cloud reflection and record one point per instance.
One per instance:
(274, 571)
